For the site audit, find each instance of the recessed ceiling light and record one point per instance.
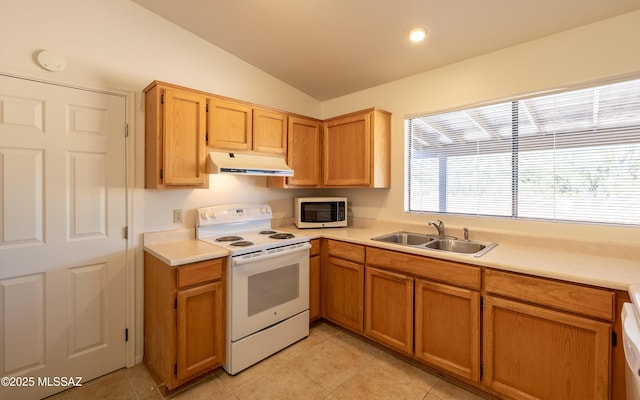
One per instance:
(417, 34)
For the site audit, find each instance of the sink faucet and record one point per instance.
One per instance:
(466, 233)
(439, 226)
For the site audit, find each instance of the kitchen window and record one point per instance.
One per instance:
(569, 156)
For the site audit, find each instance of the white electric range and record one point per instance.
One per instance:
(267, 281)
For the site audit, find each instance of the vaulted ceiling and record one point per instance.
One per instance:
(329, 48)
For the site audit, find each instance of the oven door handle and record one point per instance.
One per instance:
(259, 256)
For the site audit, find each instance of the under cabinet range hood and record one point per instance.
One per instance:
(247, 164)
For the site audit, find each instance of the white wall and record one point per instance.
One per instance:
(596, 52)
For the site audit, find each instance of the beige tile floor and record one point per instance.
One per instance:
(330, 364)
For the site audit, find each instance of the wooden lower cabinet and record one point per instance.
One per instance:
(200, 310)
(409, 310)
(511, 335)
(344, 297)
(314, 280)
(344, 285)
(447, 328)
(184, 319)
(531, 352)
(389, 309)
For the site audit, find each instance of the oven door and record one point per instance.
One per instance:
(266, 290)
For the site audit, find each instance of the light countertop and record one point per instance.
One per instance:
(565, 260)
(613, 266)
(180, 247)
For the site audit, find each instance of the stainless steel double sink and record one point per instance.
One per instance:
(448, 244)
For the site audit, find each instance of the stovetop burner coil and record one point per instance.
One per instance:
(242, 243)
(282, 236)
(228, 238)
(267, 232)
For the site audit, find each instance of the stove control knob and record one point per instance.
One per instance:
(265, 210)
(205, 216)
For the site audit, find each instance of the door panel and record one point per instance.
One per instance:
(87, 308)
(24, 336)
(23, 208)
(87, 197)
(62, 251)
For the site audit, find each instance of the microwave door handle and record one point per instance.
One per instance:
(245, 260)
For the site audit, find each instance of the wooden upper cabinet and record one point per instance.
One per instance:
(356, 150)
(230, 125)
(237, 126)
(303, 154)
(175, 145)
(182, 125)
(269, 131)
(184, 119)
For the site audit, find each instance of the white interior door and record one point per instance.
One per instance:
(62, 250)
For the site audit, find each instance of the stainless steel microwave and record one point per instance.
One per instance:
(320, 212)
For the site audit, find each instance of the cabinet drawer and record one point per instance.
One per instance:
(444, 271)
(597, 303)
(200, 272)
(315, 247)
(347, 251)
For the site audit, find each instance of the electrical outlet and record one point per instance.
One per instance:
(177, 216)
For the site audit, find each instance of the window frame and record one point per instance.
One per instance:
(615, 137)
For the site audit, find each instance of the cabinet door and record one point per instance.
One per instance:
(184, 138)
(447, 329)
(344, 293)
(269, 131)
(389, 309)
(535, 353)
(347, 151)
(303, 154)
(230, 125)
(201, 329)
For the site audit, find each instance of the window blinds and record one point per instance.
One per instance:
(572, 156)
